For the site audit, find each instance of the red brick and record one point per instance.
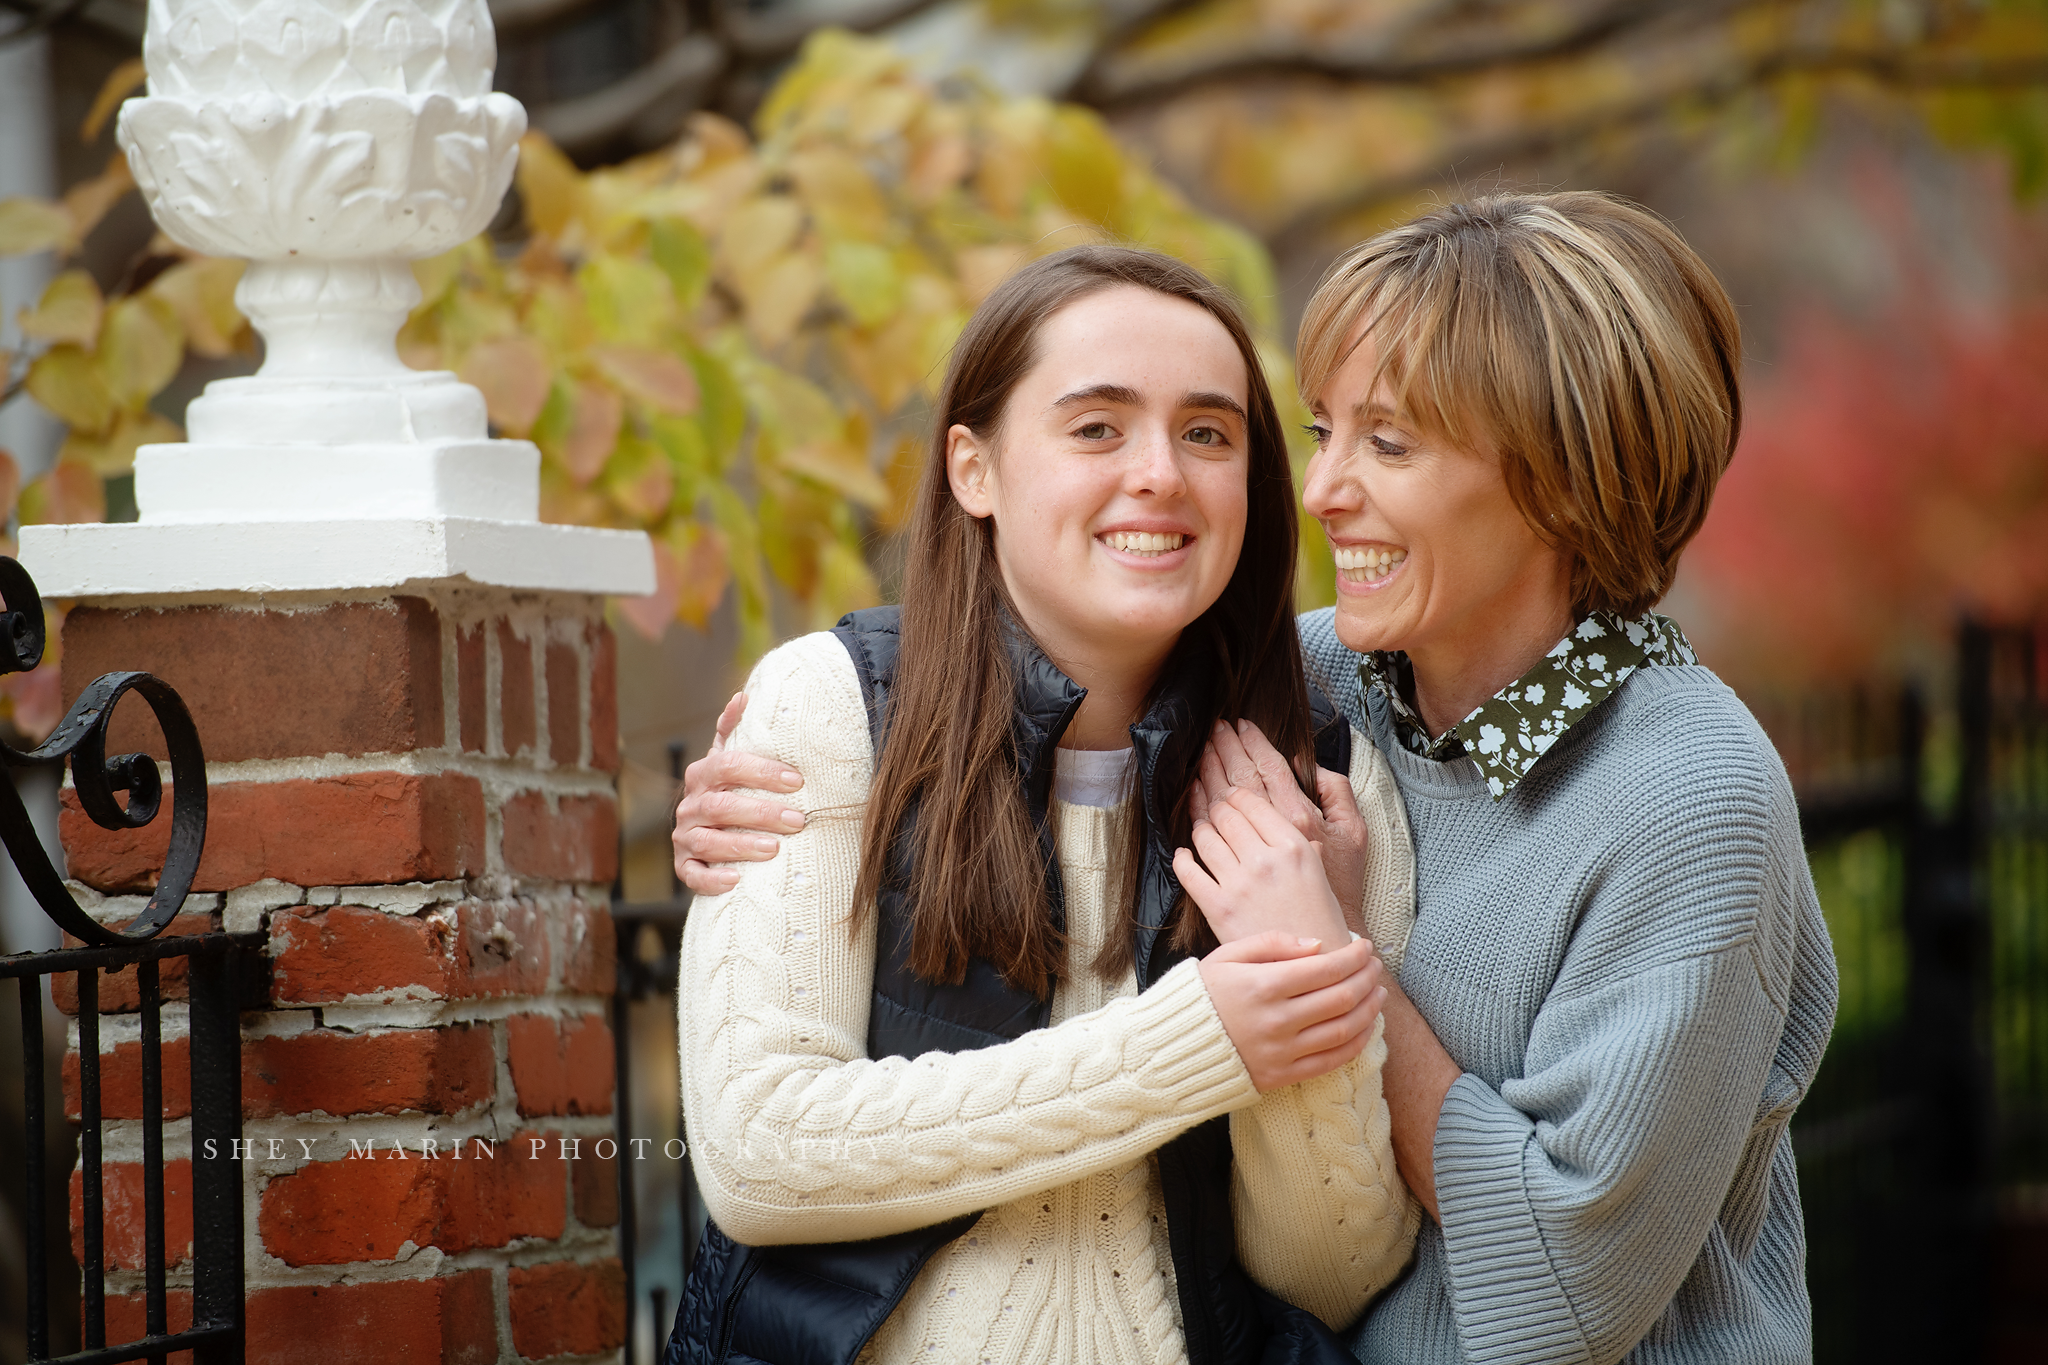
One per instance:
(594, 1181)
(121, 1081)
(504, 949)
(604, 699)
(575, 840)
(121, 1214)
(448, 1320)
(322, 954)
(565, 704)
(367, 1208)
(565, 1308)
(590, 955)
(471, 707)
(361, 829)
(128, 1319)
(560, 1066)
(492, 1200)
(120, 992)
(354, 678)
(434, 1071)
(515, 691)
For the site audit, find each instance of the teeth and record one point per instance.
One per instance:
(1144, 542)
(1367, 564)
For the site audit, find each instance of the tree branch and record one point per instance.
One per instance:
(1896, 69)
(38, 20)
(772, 39)
(1376, 60)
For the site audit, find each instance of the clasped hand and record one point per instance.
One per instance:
(1263, 882)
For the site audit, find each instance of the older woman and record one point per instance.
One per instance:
(1621, 982)
(1618, 985)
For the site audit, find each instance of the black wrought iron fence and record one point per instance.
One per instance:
(207, 966)
(1923, 1149)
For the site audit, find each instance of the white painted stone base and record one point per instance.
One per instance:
(119, 559)
(487, 480)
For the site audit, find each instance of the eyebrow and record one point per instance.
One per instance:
(1371, 410)
(1131, 398)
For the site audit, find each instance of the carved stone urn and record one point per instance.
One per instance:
(331, 142)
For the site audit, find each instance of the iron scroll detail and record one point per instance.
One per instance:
(81, 738)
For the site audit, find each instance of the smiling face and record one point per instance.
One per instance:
(1433, 556)
(1117, 480)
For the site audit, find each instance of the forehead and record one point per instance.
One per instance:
(1135, 338)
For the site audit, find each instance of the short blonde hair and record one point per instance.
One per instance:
(1578, 338)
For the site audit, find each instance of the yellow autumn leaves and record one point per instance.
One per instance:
(731, 342)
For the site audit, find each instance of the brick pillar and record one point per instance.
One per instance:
(411, 800)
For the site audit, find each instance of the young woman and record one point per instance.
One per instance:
(1621, 982)
(957, 1085)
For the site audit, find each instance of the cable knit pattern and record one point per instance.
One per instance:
(1389, 852)
(799, 1136)
(1626, 956)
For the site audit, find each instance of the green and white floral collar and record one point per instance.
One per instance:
(1514, 727)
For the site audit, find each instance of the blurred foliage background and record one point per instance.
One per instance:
(745, 233)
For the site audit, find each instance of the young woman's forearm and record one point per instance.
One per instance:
(793, 1146)
(1322, 1218)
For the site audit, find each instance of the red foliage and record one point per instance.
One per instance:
(1889, 478)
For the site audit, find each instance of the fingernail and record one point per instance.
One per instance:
(1310, 942)
(764, 844)
(792, 820)
(790, 778)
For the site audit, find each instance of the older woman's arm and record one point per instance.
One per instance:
(1575, 1198)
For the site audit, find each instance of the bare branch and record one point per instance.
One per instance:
(677, 78)
(509, 16)
(1383, 59)
(38, 19)
(772, 39)
(1900, 70)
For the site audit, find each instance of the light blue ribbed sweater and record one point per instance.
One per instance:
(1626, 956)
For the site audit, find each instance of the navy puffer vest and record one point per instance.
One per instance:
(820, 1304)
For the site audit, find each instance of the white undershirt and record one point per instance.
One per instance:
(1093, 777)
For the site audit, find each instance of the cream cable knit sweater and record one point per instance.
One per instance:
(799, 1137)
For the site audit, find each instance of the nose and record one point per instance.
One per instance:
(1326, 491)
(1155, 467)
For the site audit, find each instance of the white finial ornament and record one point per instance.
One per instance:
(330, 144)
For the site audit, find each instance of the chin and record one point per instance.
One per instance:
(1361, 633)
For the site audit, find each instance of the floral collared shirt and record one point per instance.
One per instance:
(1514, 727)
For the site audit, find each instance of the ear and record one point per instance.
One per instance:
(970, 469)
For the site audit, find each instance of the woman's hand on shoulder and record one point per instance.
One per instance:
(715, 826)
(1241, 758)
(1294, 1012)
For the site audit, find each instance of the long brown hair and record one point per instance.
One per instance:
(977, 882)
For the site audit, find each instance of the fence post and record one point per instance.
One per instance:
(406, 685)
(1949, 1129)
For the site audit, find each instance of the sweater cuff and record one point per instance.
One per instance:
(1181, 1043)
(1506, 1298)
